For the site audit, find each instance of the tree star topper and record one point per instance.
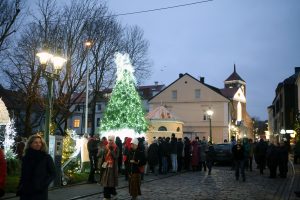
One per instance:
(123, 63)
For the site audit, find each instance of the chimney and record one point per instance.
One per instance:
(180, 75)
(156, 83)
(297, 70)
(201, 79)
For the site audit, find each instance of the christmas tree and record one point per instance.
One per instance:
(124, 111)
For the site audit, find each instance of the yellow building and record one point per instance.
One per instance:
(162, 124)
(190, 99)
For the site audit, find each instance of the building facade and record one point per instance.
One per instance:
(284, 110)
(190, 99)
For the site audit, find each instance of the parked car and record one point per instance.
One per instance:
(223, 153)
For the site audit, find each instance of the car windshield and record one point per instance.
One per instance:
(222, 146)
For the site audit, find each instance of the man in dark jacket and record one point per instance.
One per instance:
(173, 152)
(283, 159)
(179, 154)
(238, 157)
(260, 153)
(92, 146)
(153, 157)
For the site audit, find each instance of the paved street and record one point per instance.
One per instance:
(221, 184)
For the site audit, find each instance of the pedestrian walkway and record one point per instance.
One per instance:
(194, 185)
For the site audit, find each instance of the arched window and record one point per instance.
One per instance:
(162, 128)
(239, 111)
(178, 129)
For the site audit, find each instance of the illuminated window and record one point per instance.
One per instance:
(239, 111)
(162, 128)
(76, 123)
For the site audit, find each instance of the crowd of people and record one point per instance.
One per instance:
(133, 157)
(270, 154)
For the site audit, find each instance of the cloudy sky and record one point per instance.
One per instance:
(205, 39)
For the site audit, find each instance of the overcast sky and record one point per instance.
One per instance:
(261, 37)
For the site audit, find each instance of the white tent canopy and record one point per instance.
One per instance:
(4, 116)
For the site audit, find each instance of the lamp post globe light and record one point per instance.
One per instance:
(209, 112)
(55, 63)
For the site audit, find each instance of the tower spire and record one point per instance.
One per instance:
(234, 68)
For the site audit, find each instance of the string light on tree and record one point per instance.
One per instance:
(124, 115)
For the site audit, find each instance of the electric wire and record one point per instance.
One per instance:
(160, 9)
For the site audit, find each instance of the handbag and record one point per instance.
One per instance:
(104, 164)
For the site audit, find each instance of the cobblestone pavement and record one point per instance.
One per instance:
(221, 184)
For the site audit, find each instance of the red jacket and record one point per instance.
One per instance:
(2, 169)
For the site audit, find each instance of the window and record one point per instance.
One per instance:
(197, 93)
(77, 108)
(76, 123)
(98, 107)
(178, 129)
(162, 128)
(98, 122)
(174, 94)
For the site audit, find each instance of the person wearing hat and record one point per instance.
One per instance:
(137, 160)
(109, 179)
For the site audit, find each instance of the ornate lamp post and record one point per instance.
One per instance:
(209, 112)
(55, 63)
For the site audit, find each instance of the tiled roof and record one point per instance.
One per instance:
(146, 92)
(229, 92)
(161, 113)
(234, 76)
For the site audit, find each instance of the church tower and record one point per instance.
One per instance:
(235, 89)
(235, 81)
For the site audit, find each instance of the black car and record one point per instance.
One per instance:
(223, 153)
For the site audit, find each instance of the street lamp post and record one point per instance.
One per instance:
(87, 44)
(56, 63)
(209, 112)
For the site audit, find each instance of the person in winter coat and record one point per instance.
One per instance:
(137, 159)
(173, 152)
(272, 158)
(101, 156)
(246, 146)
(2, 172)
(153, 157)
(195, 155)
(120, 157)
(251, 152)
(203, 148)
(210, 156)
(127, 148)
(187, 153)
(260, 154)
(92, 146)
(165, 151)
(179, 154)
(239, 159)
(283, 159)
(109, 179)
(37, 170)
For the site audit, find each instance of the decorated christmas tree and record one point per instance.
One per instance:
(124, 114)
